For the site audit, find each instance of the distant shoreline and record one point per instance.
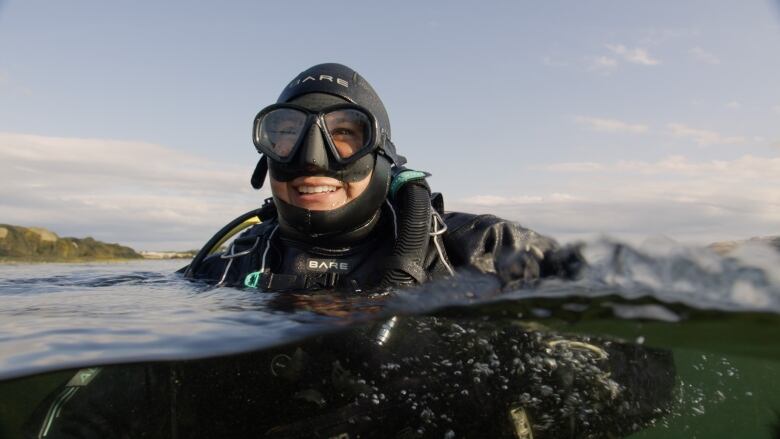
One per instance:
(6, 261)
(32, 245)
(189, 254)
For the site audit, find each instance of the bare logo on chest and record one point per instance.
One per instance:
(314, 264)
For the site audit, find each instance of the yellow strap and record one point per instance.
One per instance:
(248, 223)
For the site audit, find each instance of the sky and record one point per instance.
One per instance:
(130, 121)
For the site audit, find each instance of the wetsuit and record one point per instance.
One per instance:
(408, 377)
(482, 243)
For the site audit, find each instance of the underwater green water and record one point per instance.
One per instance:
(727, 380)
(728, 373)
(674, 344)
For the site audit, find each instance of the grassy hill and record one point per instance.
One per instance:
(35, 244)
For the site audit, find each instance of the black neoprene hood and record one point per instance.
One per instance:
(316, 88)
(341, 81)
(345, 85)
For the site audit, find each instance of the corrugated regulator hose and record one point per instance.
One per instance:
(405, 264)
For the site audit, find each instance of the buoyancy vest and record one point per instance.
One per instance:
(404, 248)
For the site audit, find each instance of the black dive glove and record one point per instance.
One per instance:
(524, 268)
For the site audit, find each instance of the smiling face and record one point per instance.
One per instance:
(330, 184)
(313, 192)
(312, 179)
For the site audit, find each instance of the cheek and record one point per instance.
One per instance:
(280, 189)
(354, 189)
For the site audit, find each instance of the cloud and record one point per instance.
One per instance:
(701, 55)
(734, 105)
(634, 56)
(493, 200)
(576, 167)
(703, 137)
(699, 201)
(607, 64)
(610, 125)
(142, 194)
(744, 168)
(603, 64)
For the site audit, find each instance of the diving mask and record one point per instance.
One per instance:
(350, 131)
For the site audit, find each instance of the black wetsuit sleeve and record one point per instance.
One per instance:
(120, 402)
(516, 254)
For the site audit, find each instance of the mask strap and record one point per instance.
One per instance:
(258, 177)
(388, 150)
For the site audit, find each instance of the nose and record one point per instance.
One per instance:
(313, 152)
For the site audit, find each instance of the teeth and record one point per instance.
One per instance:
(316, 189)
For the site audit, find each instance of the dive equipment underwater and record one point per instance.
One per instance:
(429, 376)
(412, 376)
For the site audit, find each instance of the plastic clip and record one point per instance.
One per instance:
(252, 279)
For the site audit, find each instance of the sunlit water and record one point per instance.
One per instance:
(718, 317)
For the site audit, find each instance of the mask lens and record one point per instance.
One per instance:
(279, 130)
(349, 130)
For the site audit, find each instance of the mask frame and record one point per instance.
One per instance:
(377, 136)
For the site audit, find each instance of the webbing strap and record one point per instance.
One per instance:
(278, 282)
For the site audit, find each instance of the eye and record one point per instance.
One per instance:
(342, 132)
(348, 130)
(285, 129)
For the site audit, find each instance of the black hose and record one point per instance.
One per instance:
(405, 264)
(192, 268)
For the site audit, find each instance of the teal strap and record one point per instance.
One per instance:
(404, 177)
(252, 279)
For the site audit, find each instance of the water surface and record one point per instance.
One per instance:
(717, 316)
